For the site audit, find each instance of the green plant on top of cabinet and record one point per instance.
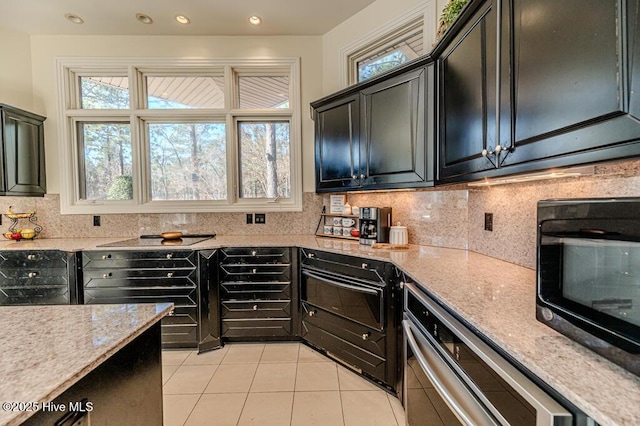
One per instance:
(377, 135)
(22, 162)
(526, 86)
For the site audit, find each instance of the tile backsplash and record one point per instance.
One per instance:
(451, 216)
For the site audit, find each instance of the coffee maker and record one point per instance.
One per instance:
(374, 224)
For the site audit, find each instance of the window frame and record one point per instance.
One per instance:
(69, 70)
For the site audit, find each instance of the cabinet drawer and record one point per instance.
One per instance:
(255, 291)
(35, 295)
(357, 334)
(145, 259)
(114, 277)
(373, 271)
(179, 335)
(37, 258)
(256, 309)
(33, 275)
(346, 351)
(256, 328)
(255, 273)
(182, 315)
(178, 296)
(255, 255)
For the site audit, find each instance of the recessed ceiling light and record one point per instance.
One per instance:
(74, 18)
(183, 19)
(255, 20)
(145, 19)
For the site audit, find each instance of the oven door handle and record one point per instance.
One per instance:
(335, 283)
(452, 390)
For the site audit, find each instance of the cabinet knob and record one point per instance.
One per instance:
(365, 336)
(401, 285)
(169, 255)
(354, 177)
(255, 307)
(365, 266)
(254, 271)
(497, 149)
(32, 274)
(169, 274)
(485, 152)
(31, 257)
(254, 253)
(171, 313)
(108, 275)
(106, 256)
(312, 313)
(312, 255)
(362, 176)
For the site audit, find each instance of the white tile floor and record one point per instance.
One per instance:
(269, 384)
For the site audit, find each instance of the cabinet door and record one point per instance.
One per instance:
(397, 126)
(337, 140)
(24, 154)
(467, 93)
(577, 72)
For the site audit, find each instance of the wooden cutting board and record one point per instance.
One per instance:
(390, 246)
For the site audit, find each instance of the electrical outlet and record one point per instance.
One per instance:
(249, 218)
(96, 221)
(488, 222)
(260, 218)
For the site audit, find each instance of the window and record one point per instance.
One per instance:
(387, 52)
(180, 135)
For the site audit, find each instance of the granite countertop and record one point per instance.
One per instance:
(47, 349)
(495, 297)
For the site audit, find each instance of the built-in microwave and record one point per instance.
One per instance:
(588, 274)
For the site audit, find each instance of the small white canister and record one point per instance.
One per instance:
(398, 235)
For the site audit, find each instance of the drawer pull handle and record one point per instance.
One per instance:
(32, 274)
(365, 266)
(312, 313)
(254, 271)
(170, 275)
(169, 255)
(255, 307)
(32, 257)
(365, 336)
(106, 256)
(108, 275)
(254, 253)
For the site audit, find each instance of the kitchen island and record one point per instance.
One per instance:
(53, 357)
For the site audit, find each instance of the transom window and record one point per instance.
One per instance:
(387, 52)
(180, 136)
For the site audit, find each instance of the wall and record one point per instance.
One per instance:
(45, 49)
(15, 73)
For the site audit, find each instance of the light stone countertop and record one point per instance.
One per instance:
(495, 297)
(47, 349)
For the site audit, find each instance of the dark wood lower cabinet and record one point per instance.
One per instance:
(259, 295)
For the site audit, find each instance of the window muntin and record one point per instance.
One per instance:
(105, 160)
(187, 161)
(143, 184)
(265, 153)
(104, 92)
(182, 92)
(263, 92)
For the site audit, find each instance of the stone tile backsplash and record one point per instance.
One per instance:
(450, 217)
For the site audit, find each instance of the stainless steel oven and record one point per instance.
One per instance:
(451, 376)
(589, 274)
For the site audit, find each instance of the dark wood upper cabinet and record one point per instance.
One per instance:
(22, 162)
(337, 143)
(377, 135)
(575, 74)
(467, 94)
(531, 85)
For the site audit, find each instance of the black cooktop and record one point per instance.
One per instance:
(157, 240)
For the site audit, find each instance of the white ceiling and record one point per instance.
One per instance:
(208, 17)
